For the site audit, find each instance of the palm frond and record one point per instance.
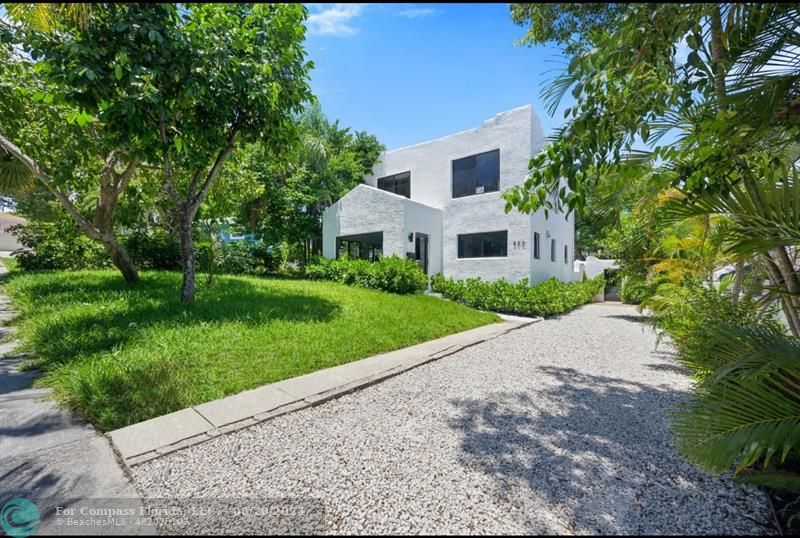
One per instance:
(47, 17)
(748, 412)
(14, 176)
(765, 213)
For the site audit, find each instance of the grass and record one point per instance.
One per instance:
(119, 355)
(10, 263)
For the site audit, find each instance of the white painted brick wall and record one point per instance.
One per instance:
(518, 135)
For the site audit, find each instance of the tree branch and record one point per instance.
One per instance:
(47, 181)
(126, 175)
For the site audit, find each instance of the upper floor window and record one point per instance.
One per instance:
(566, 255)
(483, 245)
(397, 183)
(476, 174)
(535, 245)
(552, 250)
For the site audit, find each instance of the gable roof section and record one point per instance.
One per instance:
(367, 190)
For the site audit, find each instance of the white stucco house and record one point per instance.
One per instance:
(439, 203)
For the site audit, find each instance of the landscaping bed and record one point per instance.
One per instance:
(543, 299)
(119, 355)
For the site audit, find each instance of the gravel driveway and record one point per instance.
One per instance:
(559, 427)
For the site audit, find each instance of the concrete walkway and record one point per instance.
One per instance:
(162, 435)
(49, 456)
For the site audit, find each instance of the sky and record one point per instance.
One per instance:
(408, 73)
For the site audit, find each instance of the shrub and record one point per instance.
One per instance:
(154, 250)
(692, 320)
(270, 260)
(544, 299)
(237, 258)
(398, 275)
(57, 245)
(634, 289)
(744, 412)
(392, 273)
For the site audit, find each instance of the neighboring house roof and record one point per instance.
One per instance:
(7, 221)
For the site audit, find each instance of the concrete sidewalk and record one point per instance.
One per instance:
(159, 436)
(48, 455)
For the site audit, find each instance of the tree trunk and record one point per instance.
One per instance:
(778, 280)
(187, 257)
(738, 278)
(111, 186)
(123, 262)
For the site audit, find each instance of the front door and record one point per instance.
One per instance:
(421, 251)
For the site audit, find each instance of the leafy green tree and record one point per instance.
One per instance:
(730, 109)
(721, 130)
(326, 162)
(47, 139)
(186, 86)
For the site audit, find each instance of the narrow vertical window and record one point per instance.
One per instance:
(535, 245)
(566, 255)
(552, 250)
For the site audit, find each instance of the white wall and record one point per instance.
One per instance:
(557, 226)
(518, 135)
(419, 218)
(365, 210)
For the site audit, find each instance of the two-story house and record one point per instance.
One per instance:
(439, 202)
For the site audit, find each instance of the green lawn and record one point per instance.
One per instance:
(120, 355)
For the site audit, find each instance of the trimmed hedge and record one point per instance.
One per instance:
(392, 273)
(544, 299)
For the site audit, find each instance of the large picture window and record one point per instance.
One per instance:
(476, 174)
(483, 245)
(367, 246)
(397, 183)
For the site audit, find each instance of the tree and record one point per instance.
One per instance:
(730, 110)
(45, 138)
(326, 162)
(721, 130)
(187, 85)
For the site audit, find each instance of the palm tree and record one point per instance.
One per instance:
(45, 17)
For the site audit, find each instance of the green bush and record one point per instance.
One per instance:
(392, 273)
(57, 245)
(544, 299)
(270, 261)
(154, 250)
(634, 289)
(692, 321)
(237, 258)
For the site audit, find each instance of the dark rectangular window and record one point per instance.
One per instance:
(476, 174)
(397, 183)
(367, 246)
(483, 245)
(552, 250)
(535, 245)
(566, 256)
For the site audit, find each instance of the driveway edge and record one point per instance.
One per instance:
(151, 439)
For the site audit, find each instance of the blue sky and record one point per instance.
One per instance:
(412, 72)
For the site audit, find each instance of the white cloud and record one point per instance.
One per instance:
(333, 19)
(414, 12)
